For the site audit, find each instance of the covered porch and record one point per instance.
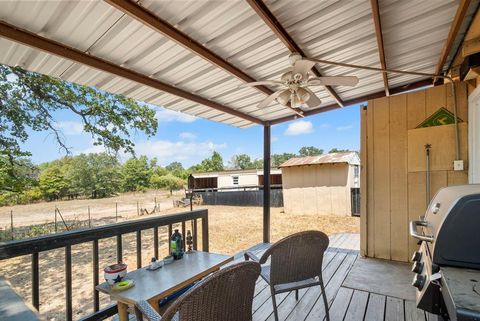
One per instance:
(191, 57)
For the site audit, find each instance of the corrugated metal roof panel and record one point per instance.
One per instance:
(347, 157)
(414, 33)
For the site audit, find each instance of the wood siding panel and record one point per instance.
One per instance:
(435, 99)
(398, 178)
(393, 151)
(415, 108)
(381, 177)
(370, 184)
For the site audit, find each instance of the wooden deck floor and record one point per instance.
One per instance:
(345, 303)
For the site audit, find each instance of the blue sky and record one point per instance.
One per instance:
(188, 139)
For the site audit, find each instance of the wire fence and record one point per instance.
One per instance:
(86, 218)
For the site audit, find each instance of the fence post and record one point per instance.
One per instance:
(55, 219)
(138, 210)
(11, 223)
(89, 218)
(116, 212)
(155, 207)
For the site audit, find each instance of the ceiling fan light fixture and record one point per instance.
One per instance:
(302, 95)
(284, 97)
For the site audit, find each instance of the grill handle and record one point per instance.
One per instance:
(415, 234)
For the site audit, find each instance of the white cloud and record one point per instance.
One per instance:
(167, 115)
(299, 128)
(344, 128)
(324, 126)
(187, 135)
(70, 127)
(168, 151)
(274, 139)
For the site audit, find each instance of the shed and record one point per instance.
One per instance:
(324, 184)
(234, 179)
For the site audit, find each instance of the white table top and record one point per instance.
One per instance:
(167, 280)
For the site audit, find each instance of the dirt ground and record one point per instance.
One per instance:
(125, 205)
(232, 229)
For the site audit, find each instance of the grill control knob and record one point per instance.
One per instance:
(417, 267)
(416, 256)
(419, 281)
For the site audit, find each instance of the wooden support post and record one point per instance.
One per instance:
(266, 183)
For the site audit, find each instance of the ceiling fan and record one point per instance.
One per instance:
(294, 91)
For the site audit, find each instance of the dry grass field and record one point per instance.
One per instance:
(232, 229)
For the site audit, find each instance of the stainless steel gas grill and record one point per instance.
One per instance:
(447, 265)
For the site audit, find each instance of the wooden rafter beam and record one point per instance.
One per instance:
(452, 34)
(151, 20)
(269, 19)
(58, 49)
(393, 91)
(379, 36)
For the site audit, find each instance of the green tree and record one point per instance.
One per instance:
(29, 100)
(94, 175)
(176, 169)
(279, 159)
(52, 182)
(336, 150)
(167, 181)
(212, 164)
(241, 161)
(310, 151)
(136, 174)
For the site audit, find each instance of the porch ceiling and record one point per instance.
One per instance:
(225, 44)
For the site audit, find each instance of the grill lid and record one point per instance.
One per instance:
(453, 218)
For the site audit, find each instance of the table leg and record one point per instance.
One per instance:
(122, 311)
(155, 305)
(138, 314)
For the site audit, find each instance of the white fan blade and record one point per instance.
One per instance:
(262, 83)
(313, 101)
(302, 67)
(267, 101)
(333, 81)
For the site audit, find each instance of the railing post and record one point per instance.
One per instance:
(155, 242)
(194, 232)
(139, 249)
(68, 283)
(205, 232)
(96, 296)
(184, 228)
(35, 282)
(119, 248)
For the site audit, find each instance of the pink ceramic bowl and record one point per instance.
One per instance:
(115, 273)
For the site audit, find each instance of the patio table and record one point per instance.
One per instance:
(153, 286)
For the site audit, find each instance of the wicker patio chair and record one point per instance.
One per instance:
(226, 295)
(295, 263)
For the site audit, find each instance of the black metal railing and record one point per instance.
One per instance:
(33, 246)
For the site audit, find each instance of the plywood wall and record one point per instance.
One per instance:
(317, 189)
(393, 176)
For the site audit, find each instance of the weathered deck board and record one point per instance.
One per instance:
(345, 303)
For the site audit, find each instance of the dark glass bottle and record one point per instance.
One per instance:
(176, 245)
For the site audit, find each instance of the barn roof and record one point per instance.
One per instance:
(347, 157)
(191, 56)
